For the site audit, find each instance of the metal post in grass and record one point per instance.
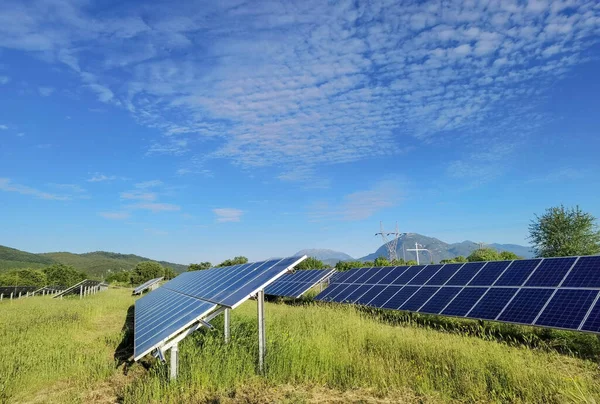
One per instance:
(260, 297)
(19, 295)
(80, 292)
(1, 296)
(226, 325)
(174, 361)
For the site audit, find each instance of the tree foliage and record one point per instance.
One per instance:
(235, 261)
(145, 271)
(65, 275)
(348, 265)
(381, 262)
(509, 256)
(24, 277)
(311, 263)
(170, 273)
(562, 232)
(199, 267)
(120, 277)
(484, 254)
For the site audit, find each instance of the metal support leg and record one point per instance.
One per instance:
(174, 361)
(226, 322)
(80, 291)
(261, 330)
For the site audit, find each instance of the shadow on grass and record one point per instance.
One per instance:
(124, 352)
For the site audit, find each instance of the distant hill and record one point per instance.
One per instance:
(96, 264)
(11, 258)
(440, 250)
(329, 257)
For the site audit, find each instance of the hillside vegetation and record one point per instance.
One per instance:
(72, 350)
(95, 264)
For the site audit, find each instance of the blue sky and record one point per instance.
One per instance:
(201, 130)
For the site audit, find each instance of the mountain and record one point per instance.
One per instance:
(440, 250)
(329, 257)
(96, 264)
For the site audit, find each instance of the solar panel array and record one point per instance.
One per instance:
(297, 283)
(77, 288)
(552, 292)
(169, 310)
(15, 290)
(50, 289)
(146, 285)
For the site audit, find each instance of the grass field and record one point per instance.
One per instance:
(70, 351)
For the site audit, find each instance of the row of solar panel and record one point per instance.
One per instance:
(297, 283)
(15, 290)
(146, 285)
(81, 287)
(547, 272)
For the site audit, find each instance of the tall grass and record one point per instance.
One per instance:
(341, 348)
(57, 350)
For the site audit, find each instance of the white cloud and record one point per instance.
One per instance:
(360, 205)
(20, 134)
(69, 187)
(115, 215)
(156, 207)
(228, 215)
(148, 184)
(317, 83)
(142, 196)
(101, 178)
(46, 91)
(3, 127)
(562, 175)
(4, 80)
(8, 186)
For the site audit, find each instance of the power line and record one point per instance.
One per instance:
(391, 245)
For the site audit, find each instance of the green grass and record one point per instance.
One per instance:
(64, 351)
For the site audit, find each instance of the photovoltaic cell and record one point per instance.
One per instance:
(370, 294)
(550, 272)
(526, 305)
(330, 292)
(517, 273)
(444, 274)
(592, 323)
(465, 274)
(146, 285)
(440, 300)
(492, 303)
(410, 273)
(425, 274)
(585, 273)
(297, 283)
(463, 302)
(489, 273)
(567, 308)
(392, 275)
(353, 294)
(399, 298)
(386, 294)
(419, 298)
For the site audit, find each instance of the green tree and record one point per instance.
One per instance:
(170, 273)
(123, 276)
(145, 271)
(310, 263)
(562, 232)
(484, 254)
(199, 267)
(509, 256)
(381, 262)
(235, 261)
(398, 263)
(64, 275)
(24, 277)
(348, 265)
(411, 262)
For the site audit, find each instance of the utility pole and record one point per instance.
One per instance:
(417, 249)
(391, 245)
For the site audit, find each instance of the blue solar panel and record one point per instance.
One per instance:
(330, 292)
(440, 300)
(356, 293)
(341, 293)
(378, 275)
(592, 323)
(365, 275)
(297, 283)
(419, 298)
(489, 273)
(465, 274)
(392, 275)
(370, 294)
(550, 272)
(399, 298)
(567, 308)
(585, 273)
(425, 274)
(444, 274)
(386, 294)
(355, 275)
(492, 303)
(146, 285)
(463, 302)
(160, 314)
(410, 273)
(517, 273)
(526, 305)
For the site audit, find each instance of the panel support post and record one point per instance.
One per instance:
(226, 322)
(80, 291)
(174, 361)
(260, 297)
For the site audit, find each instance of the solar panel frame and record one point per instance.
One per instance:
(141, 288)
(299, 282)
(76, 289)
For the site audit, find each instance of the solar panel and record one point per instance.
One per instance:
(147, 285)
(184, 301)
(297, 283)
(551, 292)
(15, 290)
(81, 287)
